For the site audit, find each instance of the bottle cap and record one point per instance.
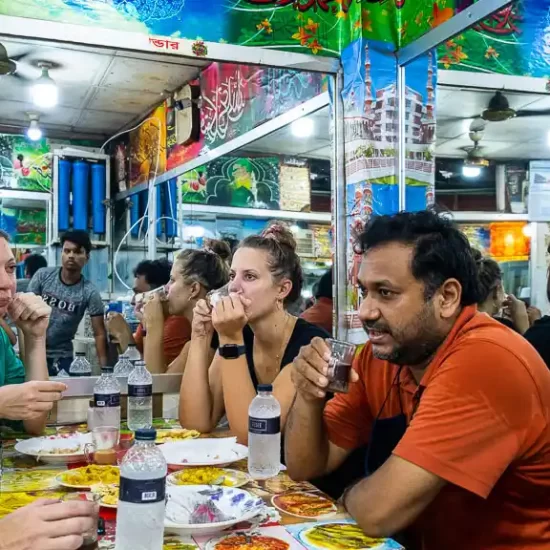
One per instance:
(107, 370)
(265, 387)
(146, 434)
(81, 354)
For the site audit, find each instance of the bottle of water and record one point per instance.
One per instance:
(80, 365)
(264, 434)
(140, 515)
(107, 399)
(130, 316)
(133, 354)
(123, 367)
(140, 398)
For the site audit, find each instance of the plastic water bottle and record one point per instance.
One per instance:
(264, 434)
(140, 398)
(80, 365)
(107, 399)
(133, 354)
(130, 316)
(123, 367)
(140, 515)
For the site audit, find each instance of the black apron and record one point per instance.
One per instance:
(385, 435)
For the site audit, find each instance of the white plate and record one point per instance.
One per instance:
(239, 504)
(42, 447)
(203, 452)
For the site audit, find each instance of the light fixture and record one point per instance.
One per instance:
(295, 228)
(193, 232)
(471, 171)
(528, 230)
(44, 92)
(303, 127)
(34, 133)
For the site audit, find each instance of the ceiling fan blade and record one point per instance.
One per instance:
(543, 112)
(20, 77)
(457, 118)
(20, 57)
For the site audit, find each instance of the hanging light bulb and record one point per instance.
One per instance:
(34, 133)
(44, 92)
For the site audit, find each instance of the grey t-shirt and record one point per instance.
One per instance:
(68, 303)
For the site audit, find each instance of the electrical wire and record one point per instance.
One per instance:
(126, 131)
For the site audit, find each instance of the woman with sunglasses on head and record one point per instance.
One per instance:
(194, 274)
(255, 337)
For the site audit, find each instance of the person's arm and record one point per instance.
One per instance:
(119, 330)
(32, 316)
(392, 498)
(100, 337)
(96, 309)
(7, 329)
(153, 343)
(201, 395)
(308, 449)
(177, 366)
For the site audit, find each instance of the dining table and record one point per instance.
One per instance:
(24, 479)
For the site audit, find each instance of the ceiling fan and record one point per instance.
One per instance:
(499, 110)
(8, 65)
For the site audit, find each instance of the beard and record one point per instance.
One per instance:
(416, 343)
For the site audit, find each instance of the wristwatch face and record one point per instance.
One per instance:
(230, 351)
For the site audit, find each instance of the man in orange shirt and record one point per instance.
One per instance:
(320, 313)
(454, 406)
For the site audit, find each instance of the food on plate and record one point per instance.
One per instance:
(209, 476)
(175, 435)
(61, 451)
(90, 475)
(307, 505)
(109, 494)
(339, 536)
(251, 542)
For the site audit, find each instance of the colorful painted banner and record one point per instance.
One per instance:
(234, 181)
(320, 27)
(238, 98)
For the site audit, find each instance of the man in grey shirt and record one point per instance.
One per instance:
(69, 295)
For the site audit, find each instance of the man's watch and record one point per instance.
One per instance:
(231, 351)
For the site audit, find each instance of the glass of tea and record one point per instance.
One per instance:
(342, 354)
(90, 537)
(214, 296)
(104, 446)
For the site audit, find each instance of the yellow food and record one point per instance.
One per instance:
(201, 476)
(90, 475)
(175, 435)
(109, 494)
(9, 502)
(340, 536)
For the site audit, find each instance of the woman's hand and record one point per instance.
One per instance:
(153, 312)
(516, 310)
(229, 317)
(201, 327)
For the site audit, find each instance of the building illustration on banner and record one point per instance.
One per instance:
(371, 134)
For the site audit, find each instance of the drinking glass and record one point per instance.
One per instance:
(103, 449)
(342, 354)
(214, 296)
(90, 537)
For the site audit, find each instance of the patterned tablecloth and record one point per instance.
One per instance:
(23, 480)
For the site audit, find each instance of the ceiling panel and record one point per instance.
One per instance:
(122, 101)
(101, 121)
(100, 90)
(147, 76)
